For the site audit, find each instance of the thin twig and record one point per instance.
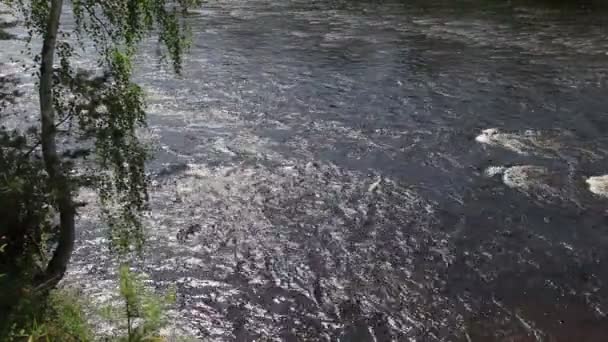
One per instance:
(33, 148)
(106, 33)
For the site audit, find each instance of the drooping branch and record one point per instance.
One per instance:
(114, 114)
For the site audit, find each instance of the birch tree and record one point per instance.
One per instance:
(102, 108)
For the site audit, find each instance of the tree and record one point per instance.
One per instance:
(102, 111)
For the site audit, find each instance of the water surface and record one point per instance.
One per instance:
(322, 174)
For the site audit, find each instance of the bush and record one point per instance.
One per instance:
(61, 319)
(141, 313)
(139, 316)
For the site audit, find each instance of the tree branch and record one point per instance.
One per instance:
(39, 142)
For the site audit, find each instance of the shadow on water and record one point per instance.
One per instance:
(3, 26)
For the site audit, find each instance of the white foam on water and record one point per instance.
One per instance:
(525, 177)
(300, 34)
(598, 185)
(537, 182)
(494, 170)
(555, 144)
(530, 142)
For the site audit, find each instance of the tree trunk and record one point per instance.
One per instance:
(60, 185)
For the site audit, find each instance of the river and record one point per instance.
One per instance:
(376, 171)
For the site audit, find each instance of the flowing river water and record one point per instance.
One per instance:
(372, 171)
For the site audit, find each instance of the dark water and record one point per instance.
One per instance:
(318, 175)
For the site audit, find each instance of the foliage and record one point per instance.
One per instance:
(104, 112)
(100, 112)
(60, 318)
(141, 313)
(26, 229)
(25, 220)
(67, 315)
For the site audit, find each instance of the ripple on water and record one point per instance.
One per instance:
(301, 252)
(271, 246)
(295, 249)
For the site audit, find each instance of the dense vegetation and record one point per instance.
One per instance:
(40, 177)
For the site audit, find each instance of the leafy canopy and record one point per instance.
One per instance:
(104, 109)
(99, 112)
